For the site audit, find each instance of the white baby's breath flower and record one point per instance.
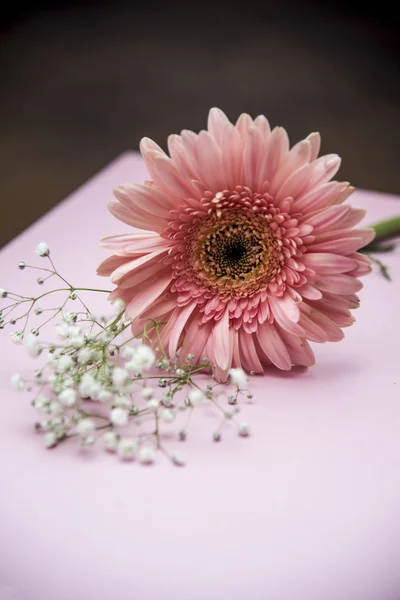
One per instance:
(85, 427)
(42, 403)
(42, 249)
(105, 337)
(77, 341)
(67, 397)
(119, 377)
(89, 387)
(56, 408)
(118, 306)
(17, 382)
(167, 416)
(178, 458)
(127, 449)
(238, 377)
(84, 355)
(153, 404)
(179, 372)
(69, 317)
(146, 392)
(123, 401)
(110, 440)
(196, 397)
(33, 346)
(50, 439)
(17, 337)
(127, 352)
(64, 363)
(244, 429)
(62, 331)
(3, 293)
(105, 396)
(144, 357)
(146, 456)
(119, 416)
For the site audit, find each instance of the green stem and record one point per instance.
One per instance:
(385, 230)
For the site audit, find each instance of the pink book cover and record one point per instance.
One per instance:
(306, 508)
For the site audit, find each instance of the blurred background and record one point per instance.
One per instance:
(84, 81)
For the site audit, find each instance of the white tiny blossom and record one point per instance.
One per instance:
(132, 367)
(127, 449)
(105, 396)
(118, 416)
(144, 357)
(110, 440)
(33, 346)
(196, 397)
(89, 387)
(50, 439)
(17, 337)
(42, 249)
(17, 382)
(167, 416)
(146, 392)
(67, 397)
(178, 458)
(179, 372)
(127, 352)
(118, 306)
(153, 404)
(85, 427)
(119, 377)
(123, 401)
(42, 403)
(84, 356)
(64, 363)
(62, 331)
(244, 429)
(56, 408)
(3, 293)
(146, 456)
(77, 341)
(105, 337)
(238, 377)
(68, 317)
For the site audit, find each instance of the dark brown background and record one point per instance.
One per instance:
(82, 82)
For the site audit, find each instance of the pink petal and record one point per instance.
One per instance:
(309, 176)
(128, 216)
(221, 342)
(309, 292)
(147, 295)
(263, 125)
(276, 151)
(287, 314)
(196, 338)
(299, 349)
(130, 265)
(209, 162)
(334, 333)
(181, 159)
(297, 157)
(346, 241)
(253, 154)
(216, 124)
(166, 177)
(327, 264)
(315, 141)
(320, 197)
(179, 320)
(109, 265)
(273, 346)
(364, 265)
(335, 217)
(243, 125)
(248, 352)
(119, 243)
(338, 284)
(232, 156)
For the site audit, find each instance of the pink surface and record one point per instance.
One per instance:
(308, 508)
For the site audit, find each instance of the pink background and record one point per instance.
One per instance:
(308, 508)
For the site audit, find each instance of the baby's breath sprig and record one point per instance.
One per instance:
(100, 385)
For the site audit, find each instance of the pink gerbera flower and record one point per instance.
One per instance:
(248, 252)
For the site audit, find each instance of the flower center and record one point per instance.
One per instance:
(232, 252)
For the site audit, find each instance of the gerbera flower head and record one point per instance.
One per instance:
(247, 251)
